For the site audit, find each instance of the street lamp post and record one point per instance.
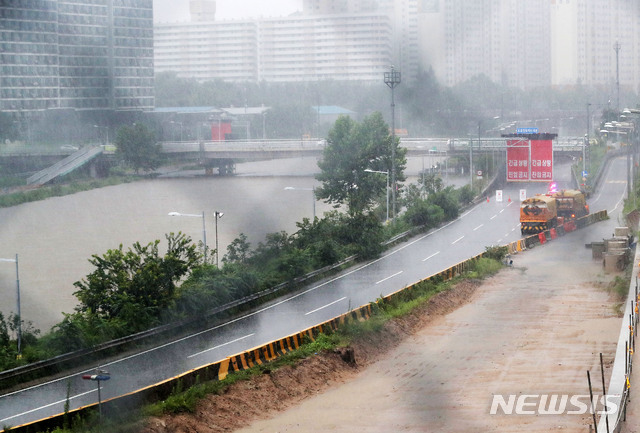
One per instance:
(392, 79)
(17, 302)
(204, 230)
(217, 215)
(386, 173)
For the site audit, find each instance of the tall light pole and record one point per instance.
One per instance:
(392, 79)
(204, 229)
(387, 173)
(616, 47)
(313, 195)
(584, 148)
(217, 215)
(17, 302)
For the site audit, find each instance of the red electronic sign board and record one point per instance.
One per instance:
(518, 160)
(529, 160)
(541, 160)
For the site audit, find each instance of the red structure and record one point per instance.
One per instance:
(530, 157)
(221, 131)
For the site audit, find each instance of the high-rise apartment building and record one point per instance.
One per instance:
(585, 35)
(294, 48)
(77, 54)
(532, 43)
(404, 24)
(506, 40)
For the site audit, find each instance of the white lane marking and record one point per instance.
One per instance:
(325, 306)
(47, 405)
(510, 203)
(258, 311)
(501, 210)
(478, 227)
(432, 255)
(499, 240)
(493, 217)
(460, 238)
(220, 345)
(390, 276)
(600, 191)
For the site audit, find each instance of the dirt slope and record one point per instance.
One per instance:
(535, 328)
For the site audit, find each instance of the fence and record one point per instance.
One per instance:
(620, 380)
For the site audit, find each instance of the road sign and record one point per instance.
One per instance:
(96, 377)
(584, 173)
(526, 130)
(498, 195)
(523, 194)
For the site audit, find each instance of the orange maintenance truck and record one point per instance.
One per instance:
(571, 204)
(537, 214)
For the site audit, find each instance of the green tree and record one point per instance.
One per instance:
(238, 250)
(136, 145)
(351, 149)
(423, 213)
(447, 200)
(135, 286)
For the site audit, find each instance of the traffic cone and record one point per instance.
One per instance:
(487, 199)
(509, 199)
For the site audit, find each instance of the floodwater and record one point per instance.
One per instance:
(55, 238)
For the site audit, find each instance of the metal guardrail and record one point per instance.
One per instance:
(272, 350)
(12, 377)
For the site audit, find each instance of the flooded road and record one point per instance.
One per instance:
(54, 238)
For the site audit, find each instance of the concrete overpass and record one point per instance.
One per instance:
(223, 154)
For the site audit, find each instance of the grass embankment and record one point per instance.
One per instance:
(186, 400)
(44, 192)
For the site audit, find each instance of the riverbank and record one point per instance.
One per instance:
(531, 329)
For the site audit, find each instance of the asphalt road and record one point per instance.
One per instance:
(488, 223)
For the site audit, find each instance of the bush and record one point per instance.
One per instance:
(423, 213)
(496, 252)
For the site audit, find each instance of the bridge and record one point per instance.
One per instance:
(223, 154)
(273, 149)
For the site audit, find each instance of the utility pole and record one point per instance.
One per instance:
(392, 79)
(584, 149)
(616, 47)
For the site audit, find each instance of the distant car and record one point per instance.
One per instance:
(69, 147)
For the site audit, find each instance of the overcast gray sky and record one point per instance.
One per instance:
(178, 10)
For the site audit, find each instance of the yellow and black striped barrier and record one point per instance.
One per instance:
(272, 350)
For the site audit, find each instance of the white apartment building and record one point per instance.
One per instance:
(506, 40)
(585, 34)
(404, 23)
(294, 48)
(532, 43)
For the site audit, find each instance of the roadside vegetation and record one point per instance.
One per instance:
(185, 400)
(137, 288)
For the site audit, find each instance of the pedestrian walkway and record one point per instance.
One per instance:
(65, 166)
